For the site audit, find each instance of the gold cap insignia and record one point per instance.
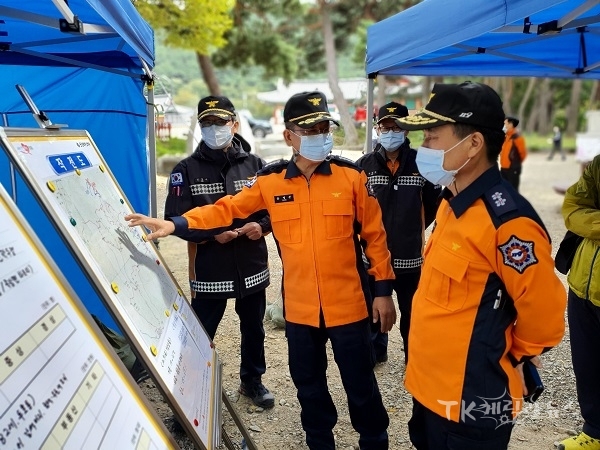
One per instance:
(392, 109)
(316, 101)
(212, 103)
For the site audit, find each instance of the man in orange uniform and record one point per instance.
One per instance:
(488, 299)
(513, 152)
(318, 205)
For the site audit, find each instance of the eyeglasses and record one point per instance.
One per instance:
(385, 130)
(314, 131)
(211, 122)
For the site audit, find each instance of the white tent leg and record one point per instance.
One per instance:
(370, 89)
(151, 147)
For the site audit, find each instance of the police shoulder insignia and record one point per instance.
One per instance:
(500, 200)
(518, 254)
(176, 179)
(251, 182)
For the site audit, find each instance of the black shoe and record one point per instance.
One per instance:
(381, 358)
(258, 393)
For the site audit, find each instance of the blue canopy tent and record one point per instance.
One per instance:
(532, 38)
(84, 64)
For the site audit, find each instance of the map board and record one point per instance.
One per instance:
(76, 188)
(61, 386)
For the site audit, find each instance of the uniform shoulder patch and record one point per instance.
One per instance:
(176, 179)
(518, 254)
(345, 162)
(274, 167)
(500, 200)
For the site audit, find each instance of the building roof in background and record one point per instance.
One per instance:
(352, 89)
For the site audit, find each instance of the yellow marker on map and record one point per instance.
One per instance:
(51, 186)
(175, 307)
(101, 167)
(78, 172)
(115, 287)
(153, 350)
(144, 238)
(167, 312)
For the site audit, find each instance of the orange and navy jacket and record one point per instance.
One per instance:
(488, 299)
(316, 224)
(512, 137)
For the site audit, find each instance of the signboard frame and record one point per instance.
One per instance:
(77, 315)
(166, 348)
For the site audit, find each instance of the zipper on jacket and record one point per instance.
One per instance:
(587, 290)
(313, 245)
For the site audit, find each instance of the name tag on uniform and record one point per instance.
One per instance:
(286, 198)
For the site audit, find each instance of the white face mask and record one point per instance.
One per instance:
(315, 148)
(217, 137)
(431, 164)
(392, 140)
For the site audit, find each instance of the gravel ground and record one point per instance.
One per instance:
(540, 426)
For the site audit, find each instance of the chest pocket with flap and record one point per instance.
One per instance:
(285, 220)
(447, 283)
(339, 218)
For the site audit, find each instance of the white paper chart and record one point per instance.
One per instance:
(59, 387)
(82, 197)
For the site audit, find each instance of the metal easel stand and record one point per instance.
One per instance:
(250, 444)
(40, 117)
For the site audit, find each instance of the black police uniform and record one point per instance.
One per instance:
(408, 204)
(237, 269)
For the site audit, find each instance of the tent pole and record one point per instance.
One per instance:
(370, 89)
(151, 144)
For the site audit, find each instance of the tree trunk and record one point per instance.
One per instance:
(573, 111)
(507, 90)
(539, 117)
(208, 74)
(426, 86)
(494, 83)
(544, 125)
(332, 75)
(594, 95)
(525, 99)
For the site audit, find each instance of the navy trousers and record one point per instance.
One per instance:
(428, 431)
(251, 311)
(584, 330)
(353, 354)
(405, 286)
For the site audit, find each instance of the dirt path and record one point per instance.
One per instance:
(554, 416)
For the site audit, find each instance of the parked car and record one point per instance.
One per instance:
(260, 128)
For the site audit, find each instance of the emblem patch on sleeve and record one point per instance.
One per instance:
(370, 189)
(176, 179)
(518, 254)
(251, 182)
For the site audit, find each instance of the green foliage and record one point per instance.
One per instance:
(264, 34)
(197, 25)
(536, 142)
(171, 146)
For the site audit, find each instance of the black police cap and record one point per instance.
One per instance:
(392, 110)
(215, 105)
(474, 104)
(306, 109)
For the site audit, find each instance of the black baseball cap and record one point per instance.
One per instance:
(215, 105)
(513, 120)
(470, 103)
(392, 110)
(307, 109)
